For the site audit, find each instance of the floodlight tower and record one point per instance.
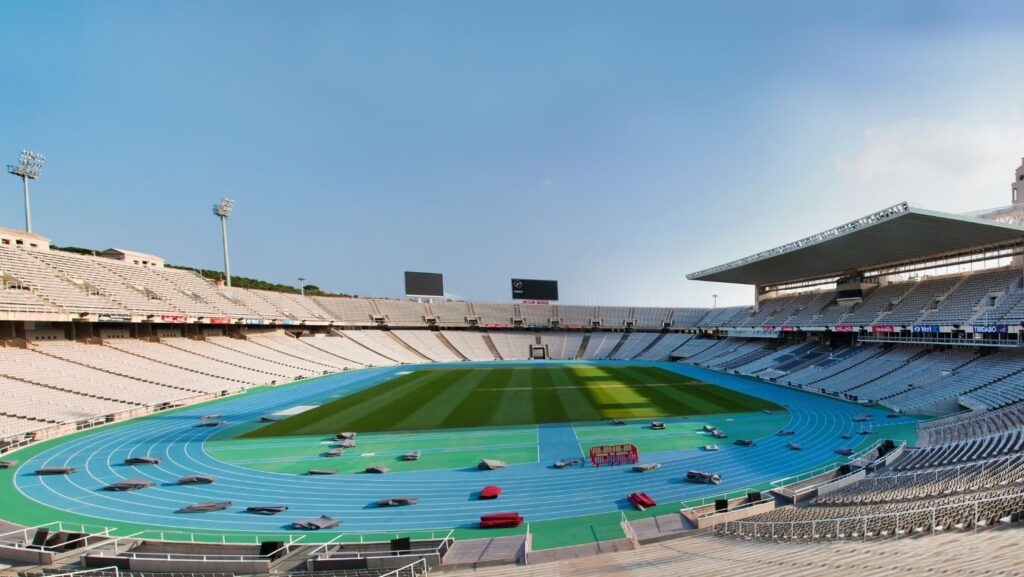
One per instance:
(29, 167)
(715, 304)
(223, 211)
(302, 286)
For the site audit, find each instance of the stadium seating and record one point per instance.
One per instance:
(970, 425)
(166, 354)
(971, 297)
(576, 316)
(693, 347)
(402, 313)
(292, 347)
(428, 344)
(616, 317)
(450, 314)
(471, 344)
(65, 292)
(655, 318)
(634, 344)
(662, 348)
(340, 345)
(512, 345)
(348, 311)
(874, 304)
(562, 345)
(537, 315)
(601, 345)
(117, 362)
(48, 371)
(491, 314)
(386, 345)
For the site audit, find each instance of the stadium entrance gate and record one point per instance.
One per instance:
(614, 455)
(539, 352)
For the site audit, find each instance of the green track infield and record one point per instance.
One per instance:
(445, 398)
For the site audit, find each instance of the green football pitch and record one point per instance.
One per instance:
(444, 398)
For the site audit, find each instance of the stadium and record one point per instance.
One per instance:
(869, 402)
(585, 289)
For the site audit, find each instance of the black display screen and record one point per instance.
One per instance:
(539, 290)
(424, 284)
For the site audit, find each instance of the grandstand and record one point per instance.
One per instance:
(880, 314)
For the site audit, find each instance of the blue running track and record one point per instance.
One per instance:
(447, 498)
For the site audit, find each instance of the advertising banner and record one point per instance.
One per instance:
(925, 328)
(174, 318)
(753, 333)
(883, 329)
(108, 318)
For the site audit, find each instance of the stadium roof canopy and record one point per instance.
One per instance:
(896, 235)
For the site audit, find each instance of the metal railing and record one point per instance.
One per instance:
(414, 569)
(823, 469)
(112, 570)
(161, 537)
(435, 554)
(19, 539)
(322, 552)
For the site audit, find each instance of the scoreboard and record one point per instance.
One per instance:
(532, 289)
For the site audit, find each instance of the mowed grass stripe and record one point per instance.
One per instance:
(505, 396)
(547, 406)
(351, 409)
(703, 398)
(440, 403)
(514, 403)
(574, 397)
(466, 408)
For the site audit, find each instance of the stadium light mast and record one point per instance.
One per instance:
(29, 167)
(302, 286)
(223, 211)
(714, 304)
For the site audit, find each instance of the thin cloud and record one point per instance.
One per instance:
(935, 163)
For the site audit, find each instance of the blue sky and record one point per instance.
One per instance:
(614, 146)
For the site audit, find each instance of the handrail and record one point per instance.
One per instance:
(712, 498)
(411, 567)
(435, 551)
(58, 526)
(820, 470)
(112, 569)
(630, 533)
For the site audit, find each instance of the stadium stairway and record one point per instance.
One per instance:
(583, 345)
(622, 340)
(448, 344)
(407, 346)
(490, 346)
(68, 359)
(341, 334)
(203, 354)
(184, 367)
(312, 343)
(650, 345)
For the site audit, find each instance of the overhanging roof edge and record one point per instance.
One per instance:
(834, 232)
(893, 212)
